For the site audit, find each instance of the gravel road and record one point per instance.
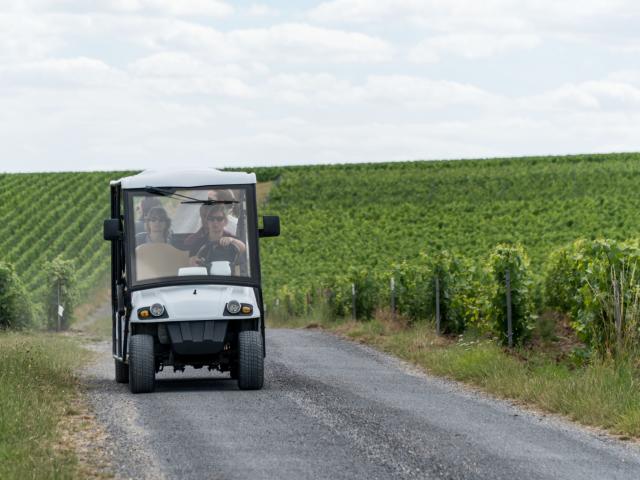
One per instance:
(338, 410)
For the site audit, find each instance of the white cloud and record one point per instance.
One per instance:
(630, 76)
(424, 93)
(472, 45)
(287, 42)
(305, 43)
(591, 95)
(439, 15)
(210, 8)
(261, 10)
(214, 8)
(570, 21)
(487, 15)
(60, 73)
(392, 92)
(25, 37)
(174, 73)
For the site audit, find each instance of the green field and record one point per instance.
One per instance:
(43, 215)
(375, 215)
(366, 215)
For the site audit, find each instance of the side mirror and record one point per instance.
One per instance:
(112, 230)
(271, 226)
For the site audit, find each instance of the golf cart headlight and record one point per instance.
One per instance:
(233, 307)
(157, 310)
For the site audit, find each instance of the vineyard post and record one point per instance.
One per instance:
(617, 307)
(58, 316)
(437, 306)
(353, 301)
(393, 298)
(509, 320)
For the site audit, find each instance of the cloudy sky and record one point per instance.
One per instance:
(128, 84)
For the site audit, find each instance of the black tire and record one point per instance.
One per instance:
(142, 366)
(122, 372)
(250, 360)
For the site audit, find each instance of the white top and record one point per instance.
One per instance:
(186, 178)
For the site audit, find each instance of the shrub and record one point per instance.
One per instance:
(367, 293)
(563, 277)
(61, 289)
(601, 283)
(513, 258)
(413, 297)
(456, 295)
(15, 308)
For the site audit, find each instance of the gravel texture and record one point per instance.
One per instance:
(334, 409)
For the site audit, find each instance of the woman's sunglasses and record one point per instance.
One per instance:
(216, 218)
(155, 219)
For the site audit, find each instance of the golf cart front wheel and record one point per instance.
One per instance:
(250, 360)
(142, 367)
(122, 372)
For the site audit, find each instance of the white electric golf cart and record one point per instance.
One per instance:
(185, 275)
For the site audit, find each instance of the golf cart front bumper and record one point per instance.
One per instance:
(195, 319)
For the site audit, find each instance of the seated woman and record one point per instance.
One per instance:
(157, 225)
(144, 207)
(218, 245)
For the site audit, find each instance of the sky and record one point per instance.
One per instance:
(134, 84)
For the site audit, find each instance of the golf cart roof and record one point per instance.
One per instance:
(186, 178)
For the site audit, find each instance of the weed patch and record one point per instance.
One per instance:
(36, 387)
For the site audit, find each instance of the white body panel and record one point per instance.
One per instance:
(182, 304)
(186, 178)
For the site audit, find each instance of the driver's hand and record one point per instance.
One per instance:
(225, 241)
(196, 261)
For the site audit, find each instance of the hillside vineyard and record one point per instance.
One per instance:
(43, 215)
(376, 215)
(367, 216)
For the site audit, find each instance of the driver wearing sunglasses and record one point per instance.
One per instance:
(219, 244)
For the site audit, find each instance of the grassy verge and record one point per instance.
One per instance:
(599, 394)
(37, 387)
(99, 329)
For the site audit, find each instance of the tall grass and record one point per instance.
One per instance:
(36, 385)
(618, 324)
(604, 394)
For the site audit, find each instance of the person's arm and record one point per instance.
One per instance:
(199, 259)
(234, 242)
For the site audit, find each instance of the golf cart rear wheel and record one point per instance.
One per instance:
(250, 360)
(142, 367)
(122, 372)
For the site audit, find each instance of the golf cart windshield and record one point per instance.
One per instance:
(180, 232)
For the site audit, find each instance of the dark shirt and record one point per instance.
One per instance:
(197, 240)
(214, 252)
